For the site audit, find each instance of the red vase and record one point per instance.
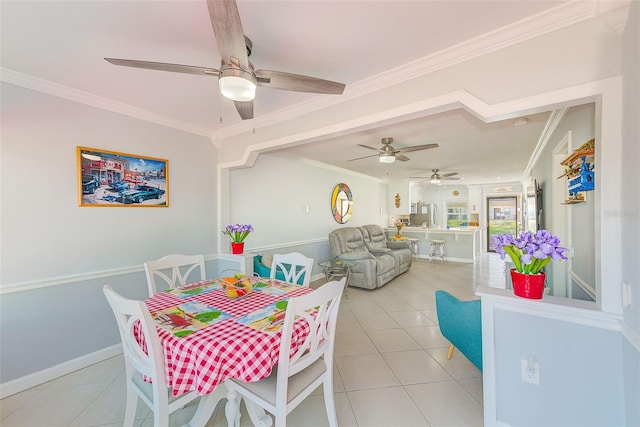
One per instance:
(528, 285)
(237, 248)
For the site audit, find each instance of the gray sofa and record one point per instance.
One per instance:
(377, 260)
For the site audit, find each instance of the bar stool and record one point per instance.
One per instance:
(415, 248)
(437, 250)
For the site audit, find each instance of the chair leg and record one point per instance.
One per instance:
(232, 408)
(160, 416)
(258, 415)
(450, 351)
(131, 406)
(160, 408)
(281, 416)
(206, 407)
(329, 403)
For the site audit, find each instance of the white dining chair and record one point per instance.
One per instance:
(132, 314)
(293, 265)
(299, 372)
(181, 266)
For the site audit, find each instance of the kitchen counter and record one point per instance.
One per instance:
(461, 244)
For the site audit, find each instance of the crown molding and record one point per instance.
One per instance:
(554, 121)
(562, 16)
(339, 170)
(66, 92)
(556, 18)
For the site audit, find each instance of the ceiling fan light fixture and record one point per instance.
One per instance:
(387, 157)
(435, 181)
(237, 84)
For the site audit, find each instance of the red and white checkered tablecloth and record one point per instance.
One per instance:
(227, 349)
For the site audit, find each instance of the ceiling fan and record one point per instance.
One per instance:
(435, 178)
(388, 154)
(237, 77)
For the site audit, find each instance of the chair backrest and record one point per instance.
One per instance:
(181, 267)
(134, 320)
(294, 265)
(460, 322)
(319, 310)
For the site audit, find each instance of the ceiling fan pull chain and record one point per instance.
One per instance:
(219, 106)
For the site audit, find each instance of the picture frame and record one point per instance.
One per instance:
(114, 179)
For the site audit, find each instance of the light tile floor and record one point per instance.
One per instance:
(391, 367)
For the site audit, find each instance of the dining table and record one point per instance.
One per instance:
(208, 336)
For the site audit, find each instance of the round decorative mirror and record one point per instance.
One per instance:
(341, 203)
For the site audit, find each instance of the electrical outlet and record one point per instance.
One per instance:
(530, 371)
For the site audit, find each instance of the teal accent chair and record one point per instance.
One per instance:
(263, 271)
(461, 324)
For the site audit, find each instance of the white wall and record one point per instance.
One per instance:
(630, 208)
(41, 219)
(580, 382)
(63, 253)
(400, 188)
(272, 196)
(580, 121)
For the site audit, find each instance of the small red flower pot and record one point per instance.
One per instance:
(528, 285)
(237, 248)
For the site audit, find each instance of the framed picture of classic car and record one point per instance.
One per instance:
(113, 179)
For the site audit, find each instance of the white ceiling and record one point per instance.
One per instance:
(64, 43)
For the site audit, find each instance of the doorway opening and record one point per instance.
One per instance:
(502, 217)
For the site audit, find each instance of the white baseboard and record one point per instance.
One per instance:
(41, 377)
(438, 259)
(318, 276)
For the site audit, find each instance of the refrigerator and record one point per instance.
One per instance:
(427, 213)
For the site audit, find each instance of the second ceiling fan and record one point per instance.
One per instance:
(237, 76)
(388, 154)
(436, 177)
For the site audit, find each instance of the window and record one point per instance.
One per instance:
(457, 214)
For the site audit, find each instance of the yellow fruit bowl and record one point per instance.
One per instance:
(235, 287)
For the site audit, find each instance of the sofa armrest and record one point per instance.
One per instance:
(355, 256)
(399, 244)
(379, 251)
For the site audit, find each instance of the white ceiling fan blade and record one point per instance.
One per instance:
(365, 157)
(417, 148)
(163, 66)
(227, 27)
(245, 109)
(368, 147)
(445, 175)
(401, 157)
(297, 82)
